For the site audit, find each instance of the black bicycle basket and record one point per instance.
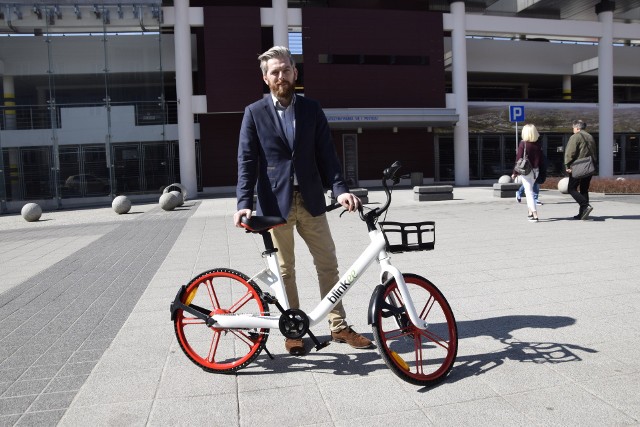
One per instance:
(409, 237)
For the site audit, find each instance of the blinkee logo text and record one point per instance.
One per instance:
(337, 293)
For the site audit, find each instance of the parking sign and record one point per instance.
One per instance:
(516, 113)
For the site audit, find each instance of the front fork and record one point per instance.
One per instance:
(378, 303)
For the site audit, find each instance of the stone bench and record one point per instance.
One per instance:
(505, 190)
(362, 193)
(423, 193)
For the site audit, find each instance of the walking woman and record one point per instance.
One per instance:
(529, 146)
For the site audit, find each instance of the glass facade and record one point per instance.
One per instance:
(87, 111)
(491, 156)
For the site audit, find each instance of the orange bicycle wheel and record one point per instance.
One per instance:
(421, 357)
(220, 291)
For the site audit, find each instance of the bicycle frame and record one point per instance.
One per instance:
(271, 276)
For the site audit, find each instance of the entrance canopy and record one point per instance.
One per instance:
(367, 118)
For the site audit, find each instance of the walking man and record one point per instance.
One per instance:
(580, 145)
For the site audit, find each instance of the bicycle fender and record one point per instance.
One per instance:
(175, 304)
(377, 297)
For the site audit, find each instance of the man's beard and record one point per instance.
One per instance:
(283, 90)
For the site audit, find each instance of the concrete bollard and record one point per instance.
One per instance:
(563, 185)
(168, 201)
(179, 196)
(31, 212)
(174, 186)
(121, 205)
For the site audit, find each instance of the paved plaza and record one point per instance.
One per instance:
(548, 315)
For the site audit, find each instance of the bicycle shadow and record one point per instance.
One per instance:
(501, 329)
(364, 362)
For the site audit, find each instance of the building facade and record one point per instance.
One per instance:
(103, 99)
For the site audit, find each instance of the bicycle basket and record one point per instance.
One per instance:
(408, 237)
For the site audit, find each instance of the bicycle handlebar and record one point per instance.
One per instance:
(389, 174)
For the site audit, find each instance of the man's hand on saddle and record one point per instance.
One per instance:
(237, 217)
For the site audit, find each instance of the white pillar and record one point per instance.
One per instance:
(9, 94)
(566, 87)
(280, 23)
(605, 94)
(459, 79)
(184, 92)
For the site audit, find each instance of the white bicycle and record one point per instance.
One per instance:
(222, 318)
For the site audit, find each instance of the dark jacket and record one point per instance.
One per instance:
(542, 170)
(534, 154)
(265, 159)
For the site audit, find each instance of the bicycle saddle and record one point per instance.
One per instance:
(258, 224)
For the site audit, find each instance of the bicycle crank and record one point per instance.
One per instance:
(294, 324)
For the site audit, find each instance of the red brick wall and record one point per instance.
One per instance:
(219, 148)
(232, 42)
(374, 33)
(378, 148)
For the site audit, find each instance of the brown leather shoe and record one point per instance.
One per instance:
(352, 338)
(295, 347)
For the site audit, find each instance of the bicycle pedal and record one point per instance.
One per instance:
(322, 345)
(270, 299)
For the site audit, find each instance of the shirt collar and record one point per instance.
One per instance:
(279, 106)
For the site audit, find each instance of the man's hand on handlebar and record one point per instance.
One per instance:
(237, 217)
(349, 201)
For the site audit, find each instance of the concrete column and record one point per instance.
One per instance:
(459, 64)
(184, 92)
(280, 23)
(9, 95)
(566, 88)
(605, 89)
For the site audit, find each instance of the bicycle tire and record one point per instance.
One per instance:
(215, 349)
(420, 357)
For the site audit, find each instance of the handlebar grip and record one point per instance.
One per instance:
(333, 206)
(390, 172)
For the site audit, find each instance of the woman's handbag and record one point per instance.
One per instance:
(583, 167)
(523, 165)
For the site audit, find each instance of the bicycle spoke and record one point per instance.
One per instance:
(395, 334)
(241, 302)
(442, 342)
(427, 308)
(243, 337)
(191, 321)
(215, 340)
(418, 352)
(213, 297)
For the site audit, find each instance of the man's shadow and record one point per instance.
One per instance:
(594, 218)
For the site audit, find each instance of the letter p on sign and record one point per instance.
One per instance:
(516, 113)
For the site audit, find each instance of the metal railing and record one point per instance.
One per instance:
(30, 117)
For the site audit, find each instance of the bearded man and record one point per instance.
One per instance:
(285, 151)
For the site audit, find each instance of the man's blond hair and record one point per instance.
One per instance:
(279, 52)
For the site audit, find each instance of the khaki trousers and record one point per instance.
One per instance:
(317, 235)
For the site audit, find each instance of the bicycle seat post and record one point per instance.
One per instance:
(268, 244)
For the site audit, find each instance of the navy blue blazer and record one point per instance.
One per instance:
(266, 160)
